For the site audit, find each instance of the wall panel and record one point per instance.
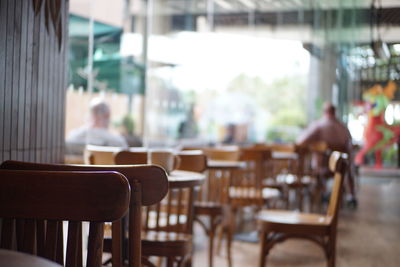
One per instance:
(32, 83)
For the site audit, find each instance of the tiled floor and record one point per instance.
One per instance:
(367, 237)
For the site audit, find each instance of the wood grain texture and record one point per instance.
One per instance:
(32, 82)
(34, 196)
(3, 27)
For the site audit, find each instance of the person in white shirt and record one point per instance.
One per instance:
(96, 132)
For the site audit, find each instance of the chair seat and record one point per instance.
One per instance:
(158, 243)
(207, 208)
(292, 221)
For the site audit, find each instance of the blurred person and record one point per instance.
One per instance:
(188, 128)
(127, 131)
(230, 134)
(96, 132)
(335, 134)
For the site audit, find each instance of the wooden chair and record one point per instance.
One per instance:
(246, 187)
(149, 186)
(212, 201)
(279, 225)
(168, 225)
(297, 171)
(33, 205)
(196, 161)
(270, 169)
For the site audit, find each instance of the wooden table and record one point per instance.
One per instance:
(9, 258)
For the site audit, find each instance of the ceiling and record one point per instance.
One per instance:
(243, 6)
(290, 15)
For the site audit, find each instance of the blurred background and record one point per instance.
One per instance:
(206, 72)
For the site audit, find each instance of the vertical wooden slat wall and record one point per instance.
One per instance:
(32, 83)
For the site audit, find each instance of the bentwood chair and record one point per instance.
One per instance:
(196, 161)
(168, 224)
(167, 231)
(149, 185)
(312, 165)
(279, 225)
(296, 168)
(212, 201)
(246, 188)
(34, 204)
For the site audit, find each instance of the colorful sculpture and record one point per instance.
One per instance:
(378, 134)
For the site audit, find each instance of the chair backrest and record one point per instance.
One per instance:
(246, 183)
(338, 165)
(175, 212)
(33, 205)
(311, 158)
(149, 185)
(130, 157)
(192, 160)
(100, 155)
(229, 153)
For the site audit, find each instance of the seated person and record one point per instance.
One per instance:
(95, 132)
(335, 134)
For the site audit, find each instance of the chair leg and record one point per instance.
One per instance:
(331, 261)
(331, 253)
(186, 261)
(263, 252)
(170, 262)
(211, 241)
(287, 198)
(220, 234)
(300, 198)
(229, 246)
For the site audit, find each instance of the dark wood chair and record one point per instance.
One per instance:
(279, 225)
(33, 205)
(149, 186)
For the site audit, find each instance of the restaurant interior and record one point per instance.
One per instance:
(200, 133)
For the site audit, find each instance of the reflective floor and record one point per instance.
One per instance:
(367, 237)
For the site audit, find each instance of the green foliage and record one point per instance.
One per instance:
(283, 99)
(281, 135)
(126, 123)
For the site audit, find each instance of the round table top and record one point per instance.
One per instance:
(11, 258)
(186, 178)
